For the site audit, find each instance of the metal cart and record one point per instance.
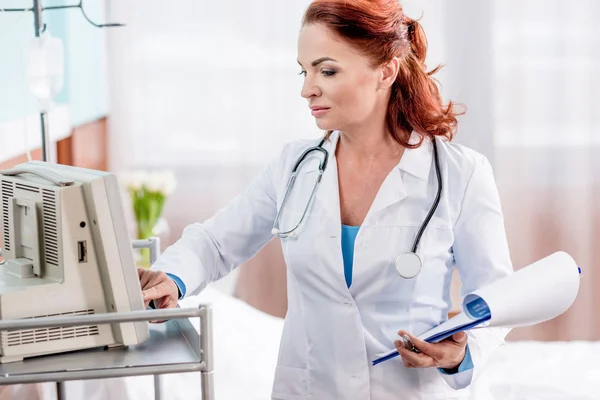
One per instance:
(173, 347)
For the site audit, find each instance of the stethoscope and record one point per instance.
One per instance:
(408, 264)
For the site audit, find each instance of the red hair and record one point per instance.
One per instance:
(380, 30)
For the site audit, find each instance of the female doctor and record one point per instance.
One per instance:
(376, 217)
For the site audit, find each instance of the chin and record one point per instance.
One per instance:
(325, 125)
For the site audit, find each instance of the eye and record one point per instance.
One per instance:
(328, 73)
(302, 73)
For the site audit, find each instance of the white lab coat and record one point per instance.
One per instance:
(332, 332)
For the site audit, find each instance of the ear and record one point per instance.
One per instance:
(389, 72)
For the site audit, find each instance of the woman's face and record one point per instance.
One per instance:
(342, 89)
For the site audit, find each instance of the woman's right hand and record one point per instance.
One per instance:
(158, 287)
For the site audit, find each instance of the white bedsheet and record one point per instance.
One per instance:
(531, 370)
(246, 342)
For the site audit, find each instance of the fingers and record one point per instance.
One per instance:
(156, 291)
(156, 285)
(166, 302)
(153, 279)
(431, 349)
(460, 338)
(445, 354)
(159, 288)
(412, 359)
(144, 276)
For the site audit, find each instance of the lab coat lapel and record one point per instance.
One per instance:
(414, 162)
(392, 191)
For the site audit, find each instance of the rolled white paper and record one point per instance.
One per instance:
(536, 293)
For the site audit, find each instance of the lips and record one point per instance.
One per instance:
(318, 111)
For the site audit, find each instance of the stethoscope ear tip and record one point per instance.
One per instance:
(274, 231)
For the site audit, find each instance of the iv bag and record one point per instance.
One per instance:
(45, 69)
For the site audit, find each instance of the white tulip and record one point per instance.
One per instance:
(139, 179)
(163, 182)
(134, 179)
(168, 183)
(153, 182)
(160, 182)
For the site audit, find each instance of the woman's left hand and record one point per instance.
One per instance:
(447, 354)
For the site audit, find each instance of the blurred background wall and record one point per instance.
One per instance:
(211, 91)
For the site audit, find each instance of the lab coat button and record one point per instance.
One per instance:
(348, 302)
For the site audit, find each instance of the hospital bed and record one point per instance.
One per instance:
(246, 342)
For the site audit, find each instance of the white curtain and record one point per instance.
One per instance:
(527, 72)
(547, 136)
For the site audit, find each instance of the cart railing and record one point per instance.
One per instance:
(201, 344)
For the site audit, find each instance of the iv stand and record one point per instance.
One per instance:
(40, 27)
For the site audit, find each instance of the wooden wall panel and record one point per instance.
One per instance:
(35, 155)
(262, 280)
(87, 147)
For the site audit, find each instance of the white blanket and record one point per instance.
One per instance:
(532, 370)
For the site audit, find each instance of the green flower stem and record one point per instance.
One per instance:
(147, 209)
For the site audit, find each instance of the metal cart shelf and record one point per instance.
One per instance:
(173, 347)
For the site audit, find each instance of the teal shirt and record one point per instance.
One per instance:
(348, 239)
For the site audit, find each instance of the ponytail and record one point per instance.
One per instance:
(415, 101)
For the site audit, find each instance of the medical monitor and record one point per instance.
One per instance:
(66, 251)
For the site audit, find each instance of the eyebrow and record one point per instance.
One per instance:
(319, 61)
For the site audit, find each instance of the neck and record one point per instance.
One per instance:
(367, 145)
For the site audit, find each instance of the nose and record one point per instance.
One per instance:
(309, 88)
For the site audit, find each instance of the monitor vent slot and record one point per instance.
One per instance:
(7, 194)
(30, 336)
(50, 226)
(28, 188)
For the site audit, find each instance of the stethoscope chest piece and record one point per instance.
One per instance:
(408, 265)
